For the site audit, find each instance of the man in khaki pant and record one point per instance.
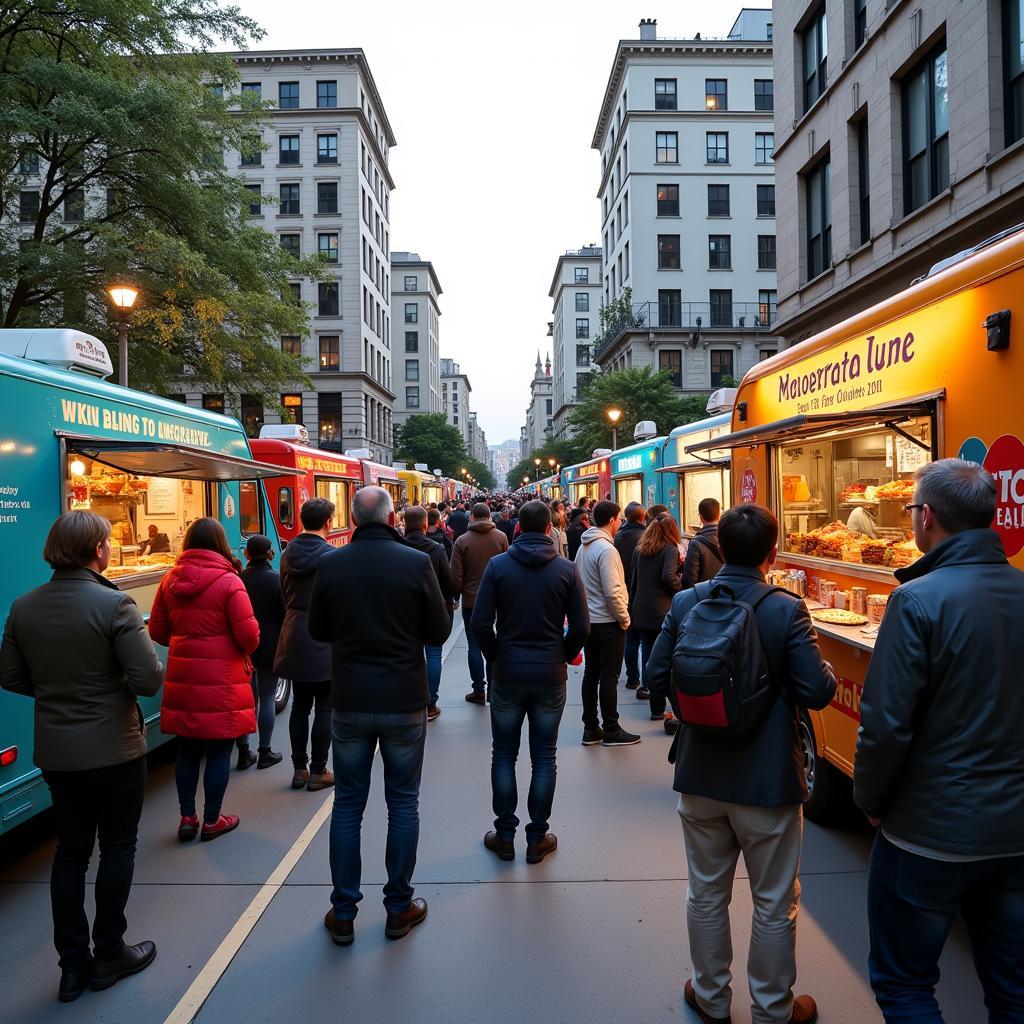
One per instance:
(744, 795)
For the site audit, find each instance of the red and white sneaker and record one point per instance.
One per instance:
(224, 824)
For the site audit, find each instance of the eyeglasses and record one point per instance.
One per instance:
(910, 508)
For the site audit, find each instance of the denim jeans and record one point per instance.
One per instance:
(264, 691)
(433, 656)
(107, 801)
(632, 656)
(476, 659)
(912, 903)
(215, 775)
(648, 637)
(603, 654)
(316, 698)
(542, 705)
(355, 736)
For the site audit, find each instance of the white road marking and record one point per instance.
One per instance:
(213, 970)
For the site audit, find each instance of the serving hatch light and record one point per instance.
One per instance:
(77, 467)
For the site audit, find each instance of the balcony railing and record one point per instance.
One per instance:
(688, 316)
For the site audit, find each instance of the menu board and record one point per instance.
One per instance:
(162, 496)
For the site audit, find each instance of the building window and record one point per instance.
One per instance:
(718, 200)
(291, 345)
(716, 94)
(295, 293)
(329, 417)
(409, 284)
(764, 94)
(292, 244)
(327, 298)
(214, 403)
(717, 147)
(670, 307)
(288, 149)
(664, 94)
(289, 195)
(719, 252)
(721, 307)
(412, 399)
(583, 327)
(766, 301)
(326, 94)
(668, 200)
(582, 355)
(252, 414)
(925, 132)
(250, 151)
(28, 162)
(255, 193)
(860, 23)
(668, 252)
(863, 182)
(288, 95)
(412, 341)
(766, 252)
(330, 352)
(1013, 32)
(327, 247)
(74, 206)
(666, 147)
(764, 147)
(291, 408)
(581, 275)
(766, 200)
(582, 302)
(253, 92)
(327, 149)
(815, 50)
(412, 369)
(326, 197)
(818, 186)
(412, 313)
(721, 366)
(766, 353)
(670, 361)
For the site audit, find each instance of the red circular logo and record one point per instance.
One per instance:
(1005, 461)
(748, 487)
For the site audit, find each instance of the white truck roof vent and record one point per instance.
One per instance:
(59, 347)
(722, 400)
(358, 453)
(645, 430)
(294, 432)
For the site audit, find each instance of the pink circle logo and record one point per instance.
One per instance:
(1005, 461)
(748, 487)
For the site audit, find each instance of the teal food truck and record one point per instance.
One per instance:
(635, 474)
(69, 440)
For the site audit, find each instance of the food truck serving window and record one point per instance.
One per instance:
(697, 484)
(843, 492)
(629, 489)
(336, 491)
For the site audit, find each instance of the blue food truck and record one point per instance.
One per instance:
(635, 474)
(70, 440)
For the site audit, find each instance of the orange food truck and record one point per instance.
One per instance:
(322, 474)
(829, 434)
(383, 476)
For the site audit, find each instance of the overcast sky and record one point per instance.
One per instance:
(494, 107)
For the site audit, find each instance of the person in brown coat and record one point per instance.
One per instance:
(473, 550)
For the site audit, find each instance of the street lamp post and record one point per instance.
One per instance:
(123, 298)
(614, 415)
(536, 472)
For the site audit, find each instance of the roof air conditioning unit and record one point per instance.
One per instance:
(645, 430)
(600, 453)
(294, 432)
(359, 453)
(437, 472)
(400, 467)
(420, 467)
(59, 347)
(722, 400)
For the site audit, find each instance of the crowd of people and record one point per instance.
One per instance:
(727, 661)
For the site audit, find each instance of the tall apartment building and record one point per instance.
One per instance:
(576, 307)
(686, 136)
(455, 392)
(901, 142)
(476, 447)
(540, 411)
(323, 158)
(416, 314)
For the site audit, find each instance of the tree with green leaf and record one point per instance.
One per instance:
(428, 437)
(115, 117)
(481, 473)
(565, 453)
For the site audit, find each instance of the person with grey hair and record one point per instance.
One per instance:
(940, 755)
(377, 602)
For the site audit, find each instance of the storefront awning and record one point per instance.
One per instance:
(698, 463)
(177, 461)
(792, 428)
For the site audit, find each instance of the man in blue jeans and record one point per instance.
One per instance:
(531, 591)
(940, 755)
(378, 604)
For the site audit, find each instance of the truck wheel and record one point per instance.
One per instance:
(823, 802)
(281, 695)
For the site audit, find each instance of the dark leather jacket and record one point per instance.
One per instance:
(940, 753)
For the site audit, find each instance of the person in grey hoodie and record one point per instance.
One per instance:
(604, 581)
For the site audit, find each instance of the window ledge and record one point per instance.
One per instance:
(289, 167)
(818, 277)
(719, 270)
(292, 216)
(327, 214)
(945, 194)
(718, 163)
(1014, 149)
(767, 270)
(766, 216)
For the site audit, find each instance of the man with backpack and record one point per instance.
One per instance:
(703, 555)
(739, 660)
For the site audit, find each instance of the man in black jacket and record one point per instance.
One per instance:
(377, 602)
(579, 523)
(531, 590)
(625, 542)
(745, 794)
(940, 755)
(458, 521)
(703, 555)
(416, 536)
(299, 657)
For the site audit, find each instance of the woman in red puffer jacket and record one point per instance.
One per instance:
(202, 614)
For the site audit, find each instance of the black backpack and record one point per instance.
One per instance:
(719, 670)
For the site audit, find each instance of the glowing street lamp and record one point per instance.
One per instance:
(614, 415)
(123, 297)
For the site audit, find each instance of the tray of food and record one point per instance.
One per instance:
(839, 617)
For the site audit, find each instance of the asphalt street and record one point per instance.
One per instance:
(594, 933)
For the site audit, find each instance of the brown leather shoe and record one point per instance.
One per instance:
(299, 778)
(320, 780)
(476, 697)
(399, 925)
(536, 852)
(691, 1001)
(805, 1010)
(504, 849)
(342, 932)
(433, 712)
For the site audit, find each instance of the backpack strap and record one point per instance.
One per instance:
(710, 545)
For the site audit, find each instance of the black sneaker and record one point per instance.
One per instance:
(592, 735)
(268, 758)
(246, 759)
(618, 737)
(632, 684)
(642, 693)
(130, 960)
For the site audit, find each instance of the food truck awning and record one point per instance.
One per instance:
(793, 428)
(178, 461)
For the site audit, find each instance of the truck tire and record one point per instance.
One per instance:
(282, 695)
(825, 802)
